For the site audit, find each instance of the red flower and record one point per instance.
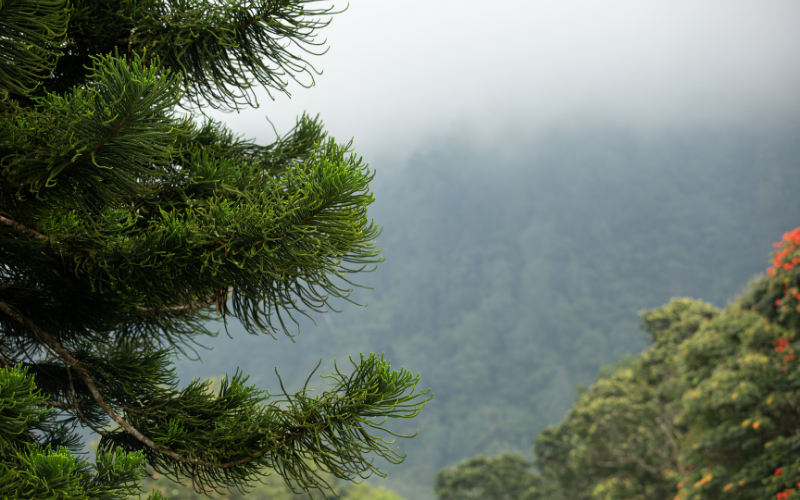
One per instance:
(785, 257)
(778, 302)
(778, 471)
(780, 344)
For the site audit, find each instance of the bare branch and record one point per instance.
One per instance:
(191, 306)
(19, 227)
(78, 410)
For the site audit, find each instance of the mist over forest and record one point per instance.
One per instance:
(513, 274)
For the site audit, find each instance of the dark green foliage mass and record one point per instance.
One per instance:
(126, 224)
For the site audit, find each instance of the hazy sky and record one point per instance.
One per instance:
(400, 74)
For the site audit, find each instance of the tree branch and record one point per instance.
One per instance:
(98, 145)
(78, 410)
(282, 233)
(21, 228)
(251, 22)
(189, 307)
(70, 360)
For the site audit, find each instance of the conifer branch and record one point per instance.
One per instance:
(70, 361)
(189, 307)
(285, 231)
(21, 228)
(66, 357)
(98, 145)
(78, 410)
(251, 22)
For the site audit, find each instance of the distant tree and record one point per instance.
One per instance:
(504, 477)
(125, 225)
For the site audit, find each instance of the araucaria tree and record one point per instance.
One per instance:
(128, 221)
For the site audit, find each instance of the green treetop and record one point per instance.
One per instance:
(126, 225)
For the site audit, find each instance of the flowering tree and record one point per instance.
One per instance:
(743, 389)
(126, 226)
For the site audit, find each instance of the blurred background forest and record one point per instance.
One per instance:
(513, 273)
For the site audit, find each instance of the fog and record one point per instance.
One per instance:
(398, 76)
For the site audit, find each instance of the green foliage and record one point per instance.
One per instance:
(124, 225)
(298, 435)
(504, 477)
(32, 34)
(64, 154)
(33, 464)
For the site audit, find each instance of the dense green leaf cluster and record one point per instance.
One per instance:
(124, 225)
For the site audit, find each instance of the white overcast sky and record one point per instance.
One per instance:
(400, 74)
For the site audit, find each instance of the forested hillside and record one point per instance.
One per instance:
(512, 275)
(708, 411)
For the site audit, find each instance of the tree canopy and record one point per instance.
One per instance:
(128, 221)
